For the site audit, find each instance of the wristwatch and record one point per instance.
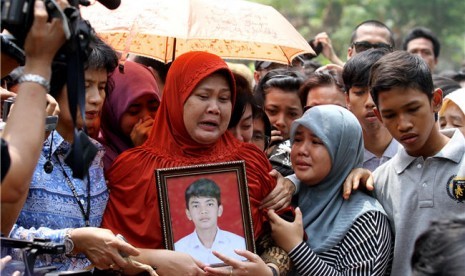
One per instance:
(68, 242)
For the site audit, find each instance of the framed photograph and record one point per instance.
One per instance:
(206, 208)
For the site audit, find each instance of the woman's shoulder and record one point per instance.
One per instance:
(373, 223)
(249, 150)
(130, 163)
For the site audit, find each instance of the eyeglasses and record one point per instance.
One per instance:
(361, 46)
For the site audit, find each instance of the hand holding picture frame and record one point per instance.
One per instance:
(205, 208)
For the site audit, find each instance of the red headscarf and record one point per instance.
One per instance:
(133, 208)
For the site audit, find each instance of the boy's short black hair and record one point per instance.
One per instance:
(357, 69)
(320, 79)
(422, 32)
(203, 187)
(284, 79)
(400, 69)
(160, 67)
(375, 23)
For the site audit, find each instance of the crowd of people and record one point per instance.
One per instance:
(309, 136)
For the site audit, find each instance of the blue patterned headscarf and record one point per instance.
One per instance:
(326, 215)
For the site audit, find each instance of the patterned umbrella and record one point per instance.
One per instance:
(165, 29)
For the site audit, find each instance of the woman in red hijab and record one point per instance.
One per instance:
(189, 128)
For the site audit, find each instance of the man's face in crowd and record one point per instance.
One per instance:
(360, 103)
(424, 48)
(369, 36)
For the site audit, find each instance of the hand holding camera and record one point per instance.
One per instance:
(322, 44)
(43, 41)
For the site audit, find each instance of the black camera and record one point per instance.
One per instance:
(316, 47)
(17, 17)
(50, 121)
(30, 251)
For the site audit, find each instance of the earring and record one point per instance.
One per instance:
(48, 166)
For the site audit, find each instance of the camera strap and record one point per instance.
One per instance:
(82, 151)
(85, 213)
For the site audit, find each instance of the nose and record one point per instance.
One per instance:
(203, 210)
(93, 95)
(369, 103)
(404, 123)
(279, 121)
(449, 125)
(213, 107)
(145, 114)
(302, 149)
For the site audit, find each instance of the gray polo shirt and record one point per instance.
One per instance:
(416, 191)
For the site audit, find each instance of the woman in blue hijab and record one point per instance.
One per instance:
(343, 237)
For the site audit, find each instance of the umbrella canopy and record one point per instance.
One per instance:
(165, 29)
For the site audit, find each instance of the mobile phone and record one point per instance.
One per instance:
(122, 254)
(51, 122)
(7, 104)
(276, 142)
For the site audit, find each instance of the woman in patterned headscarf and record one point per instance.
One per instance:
(128, 111)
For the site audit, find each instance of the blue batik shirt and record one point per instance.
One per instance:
(51, 209)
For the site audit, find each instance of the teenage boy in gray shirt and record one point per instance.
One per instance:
(425, 180)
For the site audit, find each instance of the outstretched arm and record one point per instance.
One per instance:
(25, 129)
(328, 51)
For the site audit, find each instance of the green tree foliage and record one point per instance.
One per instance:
(446, 18)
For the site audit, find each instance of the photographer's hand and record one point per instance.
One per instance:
(52, 106)
(43, 41)
(328, 51)
(3, 263)
(25, 128)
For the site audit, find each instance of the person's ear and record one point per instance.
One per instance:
(348, 100)
(220, 210)
(350, 52)
(256, 77)
(378, 115)
(188, 214)
(436, 101)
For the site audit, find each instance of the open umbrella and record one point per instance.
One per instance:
(164, 29)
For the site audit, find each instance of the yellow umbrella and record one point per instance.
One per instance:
(164, 29)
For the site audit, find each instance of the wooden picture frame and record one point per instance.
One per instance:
(233, 215)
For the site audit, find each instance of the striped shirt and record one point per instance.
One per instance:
(365, 250)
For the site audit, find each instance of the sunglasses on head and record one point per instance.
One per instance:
(365, 45)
